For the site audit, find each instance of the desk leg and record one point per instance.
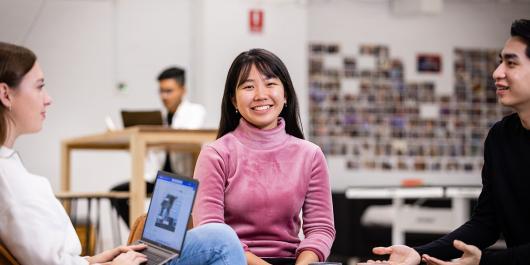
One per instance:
(398, 235)
(137, 187)
(65, 167)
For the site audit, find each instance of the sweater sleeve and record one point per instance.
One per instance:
(512, 256)
(318, 224)
(31, 233)
(482, 230)
(211, 171)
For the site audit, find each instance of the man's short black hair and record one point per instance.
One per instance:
(174, 72)
(521, 28)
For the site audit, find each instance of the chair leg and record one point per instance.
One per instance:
(88, 228)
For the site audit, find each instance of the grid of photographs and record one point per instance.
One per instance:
(361, 107)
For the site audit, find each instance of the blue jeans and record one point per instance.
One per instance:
(211, 244)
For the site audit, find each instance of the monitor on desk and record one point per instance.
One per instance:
(133, 118)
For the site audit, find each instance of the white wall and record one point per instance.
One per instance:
(85, 48)
(222, 33)
(465, 24)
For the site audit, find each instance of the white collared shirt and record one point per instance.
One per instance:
(33, 224)
(187, 116)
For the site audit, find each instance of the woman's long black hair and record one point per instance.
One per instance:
(271, 66)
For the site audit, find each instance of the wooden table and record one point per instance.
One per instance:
(136, 140)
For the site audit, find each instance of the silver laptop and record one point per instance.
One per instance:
(167, 219)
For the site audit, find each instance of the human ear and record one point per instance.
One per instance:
(5, 97)
(234, 102)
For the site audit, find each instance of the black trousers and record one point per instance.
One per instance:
(122, 205)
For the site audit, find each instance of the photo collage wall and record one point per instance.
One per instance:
(362, 108)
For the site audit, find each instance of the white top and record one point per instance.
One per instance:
(33, 224)
(187, 116)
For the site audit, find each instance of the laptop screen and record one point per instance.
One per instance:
(133, 118)
(169, 211)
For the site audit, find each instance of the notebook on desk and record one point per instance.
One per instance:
(133, 118)
(167, 218)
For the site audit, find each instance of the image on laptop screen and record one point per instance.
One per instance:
(169, 211)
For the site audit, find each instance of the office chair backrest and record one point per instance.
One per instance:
(136, 229)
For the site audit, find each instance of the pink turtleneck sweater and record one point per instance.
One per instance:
(257, 181)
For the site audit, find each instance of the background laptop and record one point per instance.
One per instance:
(167, 219)
(133, 118)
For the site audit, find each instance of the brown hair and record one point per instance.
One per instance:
(15, 62)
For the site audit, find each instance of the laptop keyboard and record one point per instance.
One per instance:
(154, 256)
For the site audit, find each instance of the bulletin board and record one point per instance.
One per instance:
(364, 111)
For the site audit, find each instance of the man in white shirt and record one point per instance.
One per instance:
(180, 114)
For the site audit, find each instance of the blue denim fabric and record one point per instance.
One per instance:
(211, 244)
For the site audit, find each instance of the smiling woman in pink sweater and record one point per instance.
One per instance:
(260, 172)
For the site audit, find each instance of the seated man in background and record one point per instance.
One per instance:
(180, 114)
(504, 203)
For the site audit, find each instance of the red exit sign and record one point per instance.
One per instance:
(255, 20)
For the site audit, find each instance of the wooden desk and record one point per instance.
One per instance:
(136, 140)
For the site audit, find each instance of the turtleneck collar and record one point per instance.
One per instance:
(257, 138)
